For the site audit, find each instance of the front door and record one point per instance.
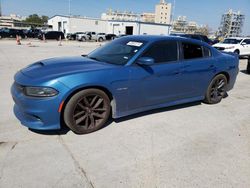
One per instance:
(159, 83)
(245, 49)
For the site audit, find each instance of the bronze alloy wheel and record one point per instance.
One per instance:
(87, 111)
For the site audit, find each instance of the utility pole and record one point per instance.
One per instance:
(172, 16)
(0, 8)
(69, 7)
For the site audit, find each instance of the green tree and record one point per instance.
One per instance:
(35, 19)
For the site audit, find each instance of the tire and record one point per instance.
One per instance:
(237, 52)
(83, 39)
(248, 66)
(216, 90)
(100, 39)
(87, 111)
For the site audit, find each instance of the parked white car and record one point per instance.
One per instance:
(98, 37)
(238, 45)
(82, 36)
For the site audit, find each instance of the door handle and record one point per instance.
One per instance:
(211, 66)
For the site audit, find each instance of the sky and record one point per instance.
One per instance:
(204, 12)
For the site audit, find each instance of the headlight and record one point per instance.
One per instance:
(40, 91)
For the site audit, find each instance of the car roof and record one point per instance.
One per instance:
(238, 38)
(154, 38)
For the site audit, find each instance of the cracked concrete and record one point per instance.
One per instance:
(194, 145)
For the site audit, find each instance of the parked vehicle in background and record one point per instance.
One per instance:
(72, 36)
(121, 35)
(215, 41)
(96, 36)
(127, 76)
(82, 36)
(51, 35)
(110, 36)
(195, 36)
(32, 33)
(11, 33)
(238, 45)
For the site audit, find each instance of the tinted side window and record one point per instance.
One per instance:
(206, 52)
(191, 51)
(163, 52)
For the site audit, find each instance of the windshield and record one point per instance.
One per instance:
(232, 41)
(118, 52)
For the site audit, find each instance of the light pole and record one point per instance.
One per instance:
(69, 29)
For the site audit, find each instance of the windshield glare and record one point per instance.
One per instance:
(118, 52)
(232, 41)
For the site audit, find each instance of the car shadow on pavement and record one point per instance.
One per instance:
(245, 72)
(171, 108)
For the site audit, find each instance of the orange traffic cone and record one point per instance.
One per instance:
(44, 39)
(18, 41)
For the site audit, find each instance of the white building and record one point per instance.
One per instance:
(12, 20)
(72, 24)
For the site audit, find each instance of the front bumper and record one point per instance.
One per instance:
(37, 113)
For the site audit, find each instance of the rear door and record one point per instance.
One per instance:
(198, 68)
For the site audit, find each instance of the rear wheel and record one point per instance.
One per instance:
(100, 39)
(248, 65)
(87, 111)
(216, 89)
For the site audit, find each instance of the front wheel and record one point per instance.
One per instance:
(87, 111)
(100, 39)
(83, 39)
(216, 89)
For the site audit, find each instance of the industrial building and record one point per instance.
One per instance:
(182, 25)
(72, 24)
(231, 24)
(162, 14)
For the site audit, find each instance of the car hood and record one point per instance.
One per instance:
(57, 67)
(223, 45)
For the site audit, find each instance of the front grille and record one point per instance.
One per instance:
(220, 48)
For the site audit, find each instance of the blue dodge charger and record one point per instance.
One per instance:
(129, 75)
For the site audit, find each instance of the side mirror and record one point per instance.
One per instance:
(243, 43)
(145, 61)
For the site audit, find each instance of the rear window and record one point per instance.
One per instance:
(191, 51)
(206, 52)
